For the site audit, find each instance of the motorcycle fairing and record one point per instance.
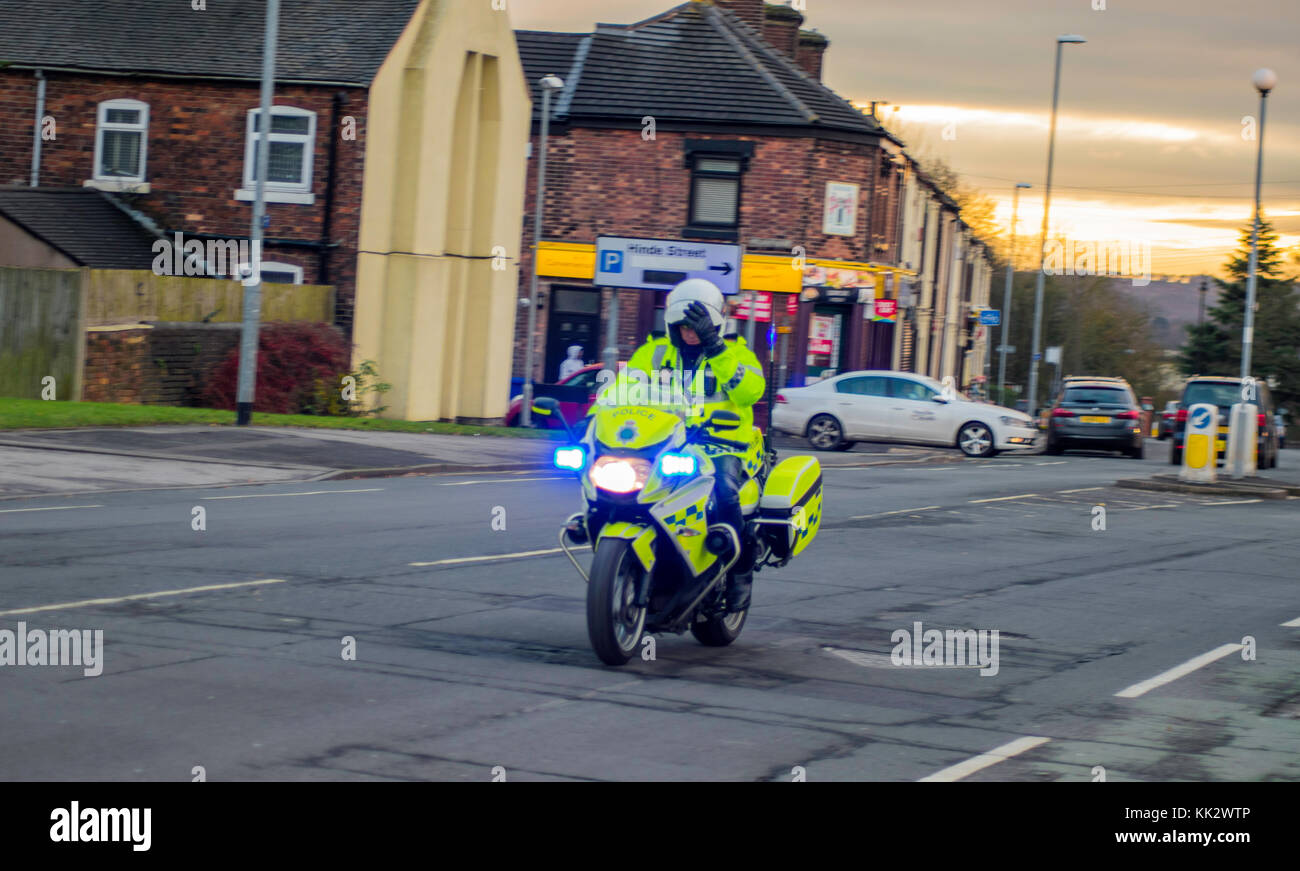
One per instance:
(683, 517)
(642, 536)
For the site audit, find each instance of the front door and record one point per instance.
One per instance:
(574, 320)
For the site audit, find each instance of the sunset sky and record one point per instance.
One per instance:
(1149, 145)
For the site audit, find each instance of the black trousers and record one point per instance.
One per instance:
(729, 475)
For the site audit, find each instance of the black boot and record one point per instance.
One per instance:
(738, 589)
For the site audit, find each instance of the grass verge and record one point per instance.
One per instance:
(39, 414)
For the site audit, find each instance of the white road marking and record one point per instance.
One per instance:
(1292, 624)
(1053, 463)
(505, 481)
(888, 513)
(495, 556)
(1081, 490)
(1177, 671)
(1002, 498)
(1144, 508)
(59, 508)
(304, 493)
(1234, 502)
(984, 760)
(135, 596)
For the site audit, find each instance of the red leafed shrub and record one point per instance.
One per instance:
(293, 361)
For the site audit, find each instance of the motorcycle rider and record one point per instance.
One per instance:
(724, 375)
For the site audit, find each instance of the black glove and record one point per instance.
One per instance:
(697, 318)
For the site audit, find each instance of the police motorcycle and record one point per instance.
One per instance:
(647, 486)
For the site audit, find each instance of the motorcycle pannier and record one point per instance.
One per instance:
(793, 499)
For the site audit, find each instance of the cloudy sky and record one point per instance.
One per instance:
(1150, 145)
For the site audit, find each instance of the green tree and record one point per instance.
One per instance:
(1214, 348)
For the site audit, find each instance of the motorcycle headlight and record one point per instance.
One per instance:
(620, 474)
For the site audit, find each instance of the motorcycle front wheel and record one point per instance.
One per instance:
(614, 622)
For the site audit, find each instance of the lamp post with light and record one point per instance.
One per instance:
(548, 84)
(1264, 80)
(1005, 330)
(1068, 39)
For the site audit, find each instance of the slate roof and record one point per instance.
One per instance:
(341, 41)
(81, 223)
(695, 62)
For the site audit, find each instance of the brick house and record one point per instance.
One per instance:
(154, 103)
(709, 122)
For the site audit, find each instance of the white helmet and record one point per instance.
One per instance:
(699, 290)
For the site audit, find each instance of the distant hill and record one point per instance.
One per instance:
(1174, 304)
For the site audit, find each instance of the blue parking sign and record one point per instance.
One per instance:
(611, 261)
(991, 317)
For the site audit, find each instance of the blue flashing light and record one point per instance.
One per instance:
(570, 458)
(673, 465)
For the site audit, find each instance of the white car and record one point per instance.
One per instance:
(903, 407)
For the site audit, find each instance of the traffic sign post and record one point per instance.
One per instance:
(1200, 451)
(662, 264)
(991, 317)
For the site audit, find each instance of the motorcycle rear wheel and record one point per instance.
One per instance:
(614, 623)
(720, 629)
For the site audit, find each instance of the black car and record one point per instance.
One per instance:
(1096, 414)
(1226, 391)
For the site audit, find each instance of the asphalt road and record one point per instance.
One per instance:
(465, 664)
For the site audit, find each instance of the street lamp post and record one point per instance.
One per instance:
(1005, 330)
(1264, 80)
(1047, 204)
(548, 84)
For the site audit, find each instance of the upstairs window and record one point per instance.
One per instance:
(715, 191)
(717, 167)
(121, 139)
(292, 143)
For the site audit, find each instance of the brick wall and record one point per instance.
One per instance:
(195, 159)
(166, 365)
(614, 182)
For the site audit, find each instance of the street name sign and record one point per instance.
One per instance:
(661, 264)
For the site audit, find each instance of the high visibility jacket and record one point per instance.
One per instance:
(731, 381)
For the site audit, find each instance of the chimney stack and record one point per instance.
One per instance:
(781, 29)
(810, 51)
(748, 11)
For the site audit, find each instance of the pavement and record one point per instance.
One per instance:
(1161, 644)
(99, 459)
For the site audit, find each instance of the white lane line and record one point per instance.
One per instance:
(496, 556)
(888, 513)
(1081, 490)
(1144, 508)
(1001, 498)
(1292, 624)
(304, 493)
(1053, 463)
(1177, 671)
(84, 603)
(506, 481)
(984, 760)
(1234, 502)
(59, 508)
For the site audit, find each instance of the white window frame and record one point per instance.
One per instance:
(274, 266)
(308, 156)
(142, 127)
